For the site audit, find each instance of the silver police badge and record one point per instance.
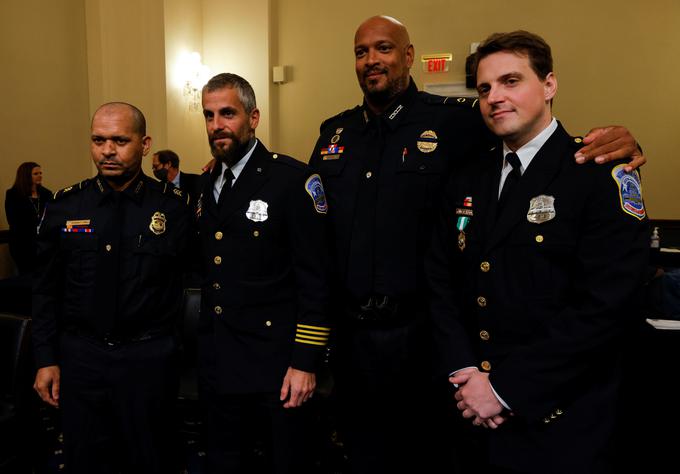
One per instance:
(257, 211)
(541, 209)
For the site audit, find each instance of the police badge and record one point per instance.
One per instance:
(157, 225)
(257, 211)
(541, 209)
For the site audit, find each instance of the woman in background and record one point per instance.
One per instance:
(24, 206)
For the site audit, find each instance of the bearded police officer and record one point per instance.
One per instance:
(264, 324)
(105, 302)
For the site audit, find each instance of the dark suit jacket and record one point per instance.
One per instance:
(190, 183)
(23, 219)
(541, 306)
(264, 301)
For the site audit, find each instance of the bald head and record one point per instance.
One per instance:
(384, 56)
(136, 115)
(390, 26)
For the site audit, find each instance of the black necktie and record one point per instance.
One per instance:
(510, 180)
(226, 184)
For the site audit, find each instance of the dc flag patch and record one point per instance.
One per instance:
(314, 188)
(630, 191)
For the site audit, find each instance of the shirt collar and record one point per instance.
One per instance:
(527, 151)
(135, 190)
(176, 180)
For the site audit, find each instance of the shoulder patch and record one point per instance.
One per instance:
(630, 191)
(326, 122)
(71, 189)
(314, 188)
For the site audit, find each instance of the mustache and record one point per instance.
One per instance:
(374, 69)
(221, 134)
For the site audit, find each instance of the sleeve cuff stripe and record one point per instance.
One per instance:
(310, 342)
(317, 328)
(315, 333)
(311, 338)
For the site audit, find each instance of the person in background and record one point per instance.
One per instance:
(165, 167)
(24, 206)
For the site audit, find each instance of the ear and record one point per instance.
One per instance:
(254, 118)
(410, 53)
(550, 86)
(146, 145)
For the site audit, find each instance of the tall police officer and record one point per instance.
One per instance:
(263, 326)
(383, 164)
(105, 302)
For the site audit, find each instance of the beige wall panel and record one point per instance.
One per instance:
(186, 129)
(616, 62)
(44, 113)
(126, 59)
(236, 39)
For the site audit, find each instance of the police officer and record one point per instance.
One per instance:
(263, 326)
(535, 273)
(383, 164)
(105, 303)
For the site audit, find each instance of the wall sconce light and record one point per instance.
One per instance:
(194, 75)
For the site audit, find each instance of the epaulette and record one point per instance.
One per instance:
(335, 117)
(171, 190)
(464, 102)
(72, 189)
(287, 160)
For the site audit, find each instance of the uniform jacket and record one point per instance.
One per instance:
(541, 305)
(109, 262)
(264, 300)
(383, 176)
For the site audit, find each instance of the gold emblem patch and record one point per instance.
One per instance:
(157, 225)
(335, 138)
(427, 142)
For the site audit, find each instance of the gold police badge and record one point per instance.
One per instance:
(157, 225)
(427, 142)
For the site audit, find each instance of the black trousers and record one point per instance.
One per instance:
(252, 433)
(118, 404)
(391, 412)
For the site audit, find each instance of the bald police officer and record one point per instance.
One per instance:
(105, 302)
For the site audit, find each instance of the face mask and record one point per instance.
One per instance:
(161, 174)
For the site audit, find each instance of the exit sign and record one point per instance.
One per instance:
(435, 63)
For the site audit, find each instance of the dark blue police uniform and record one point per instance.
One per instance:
(105, 302)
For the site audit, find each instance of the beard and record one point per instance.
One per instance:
(231, 154)
(385, 95)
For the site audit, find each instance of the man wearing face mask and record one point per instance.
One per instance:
(263, 324)
(165, 168)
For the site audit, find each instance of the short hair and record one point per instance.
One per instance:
(245, 91)
(138, 119)
(168, 156)
(519, 42)
(24, 179)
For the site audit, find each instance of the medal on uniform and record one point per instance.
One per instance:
(541, 209)
(199, 206)
(427, 142)
(157, 225)
(464, 216)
